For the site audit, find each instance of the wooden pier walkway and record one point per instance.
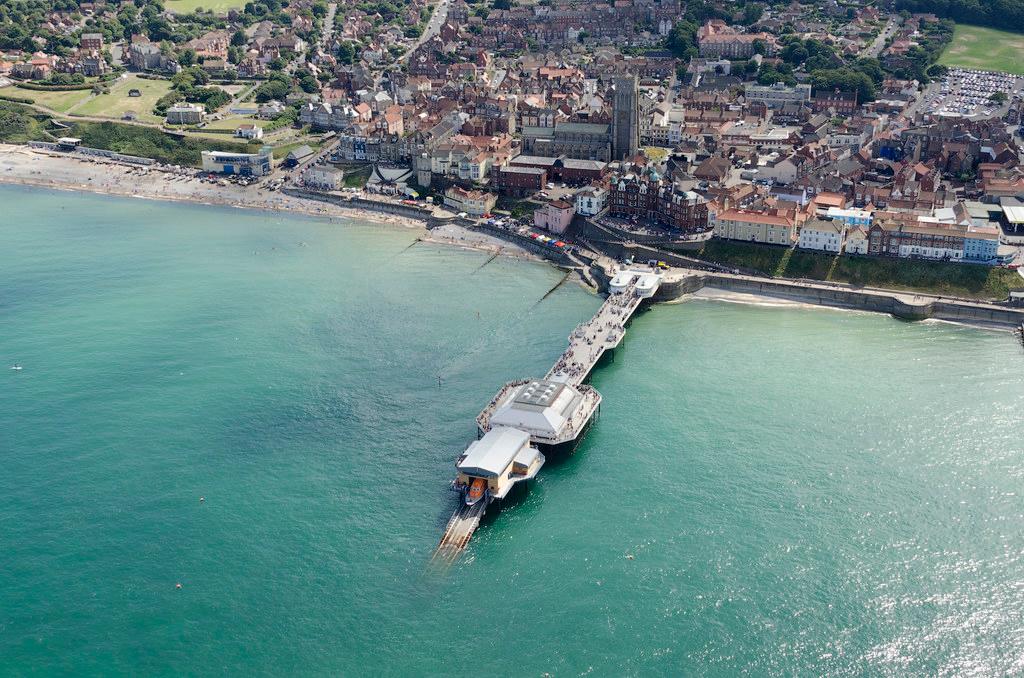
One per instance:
(457, 533)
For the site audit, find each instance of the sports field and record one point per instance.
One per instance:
(985, 48)
(117, 103)
(217, 6)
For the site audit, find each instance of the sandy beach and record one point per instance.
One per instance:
(30, 167)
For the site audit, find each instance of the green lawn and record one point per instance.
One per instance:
(232, 122)
(284, 149)
(934, 277)
(985, 48)
(217, 6)
(117, 103)
(57, 101)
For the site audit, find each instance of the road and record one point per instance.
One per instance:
(328, 32)
(437, 19)
(875, 48)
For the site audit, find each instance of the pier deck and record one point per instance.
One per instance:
(590, 340)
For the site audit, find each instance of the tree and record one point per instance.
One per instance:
(845, 80)
(307, 83)
(769, 76)
(502, 4)
(682, 39)
(346, 53)
(274, 88)
(238, 39)
(187, 57)
(870, 67)
(752, 13)
(167, 100)
(998, 98)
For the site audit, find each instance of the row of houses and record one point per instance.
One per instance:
(890, 234)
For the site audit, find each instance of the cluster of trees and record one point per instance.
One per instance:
(265, 10)
(1003, 14)
(389, 11)
(348, 52)
(810, 53)
(277, 87)
(682, 39)
(845, 80)
(21, 20)
(65, 79)
(919, 61)
(307, 81)
(189, 85)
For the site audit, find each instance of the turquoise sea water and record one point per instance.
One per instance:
(803, 492)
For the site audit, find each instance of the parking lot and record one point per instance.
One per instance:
(968, 92)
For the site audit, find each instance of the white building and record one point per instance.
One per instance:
(501, 458)
(591, 201)
(473, 203)
(822, 236)
(324, 178)
(850, 217)
(777, 95)
(185, 114)
(249, 131)
(856, 240)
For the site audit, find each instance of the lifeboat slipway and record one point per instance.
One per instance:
(554, 411)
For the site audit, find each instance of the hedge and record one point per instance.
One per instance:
(55, 88)
(19, 100)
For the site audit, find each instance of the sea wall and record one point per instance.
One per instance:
(554, 254)
(905, 306)
(419, 213)
(605, 234)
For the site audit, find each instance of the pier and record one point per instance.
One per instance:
(592, 339)
(551, 414)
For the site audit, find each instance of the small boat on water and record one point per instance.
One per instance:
(16, 366)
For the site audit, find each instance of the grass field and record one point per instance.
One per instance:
(232, 122)
(57, 101)
(935, 277)
(284, 149)
(117, 103)
(217, 6)
(985, 48)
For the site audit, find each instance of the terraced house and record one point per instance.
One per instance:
(749, 226)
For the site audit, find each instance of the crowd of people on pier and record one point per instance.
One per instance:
(484, 419)
(591, 332)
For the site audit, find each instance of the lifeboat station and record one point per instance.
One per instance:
(530, 417)
(491, 466)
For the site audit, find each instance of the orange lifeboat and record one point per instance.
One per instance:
(476, 491)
